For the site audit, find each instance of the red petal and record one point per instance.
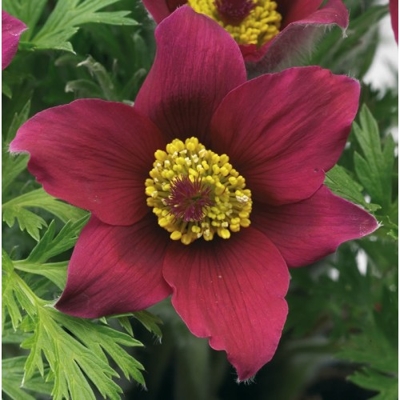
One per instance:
(333, 12)
(296, 10)
(311, 229)
(115, 269)
(93, 154)
(394, 15)
(160, 9)
(197, 63)
(11, 29)
(300, 32)
(282, 131)
(232, 292)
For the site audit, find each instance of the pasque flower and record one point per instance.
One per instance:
(272, 34)
(208, 188)
(11, 29)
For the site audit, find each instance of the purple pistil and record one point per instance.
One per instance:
(234, 11)
(188, 199)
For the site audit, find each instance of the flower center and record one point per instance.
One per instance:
(197, 193)
(234, 11)
(248, 21)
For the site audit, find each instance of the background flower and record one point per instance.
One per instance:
(394, 15)
(11, 30)
(302, 24)
(281, 132)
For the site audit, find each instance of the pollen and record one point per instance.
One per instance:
(196, 193)
(248, 21)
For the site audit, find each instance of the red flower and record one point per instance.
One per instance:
(280, 132)
(394, 15)
(272, 34)
(11, 30)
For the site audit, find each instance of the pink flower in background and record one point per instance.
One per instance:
(208, 189)
(271, 34)
(10, 32)
(394, 15)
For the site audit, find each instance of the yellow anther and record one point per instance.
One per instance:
(234, 227)
(160, 155)
(224, 233)
(224, 171)
(193, 172)
(186, 239)
(245, 222)
(175, 235)
(232, 180)
(150, 190)
(259, 25)
(196, 193)
(163, 222)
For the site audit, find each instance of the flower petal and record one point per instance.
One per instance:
(394, 16)
(299, 34)
(159, 9)
(311, 229)
(197, 63)
(296, 10)
(115, 269)
(11, 29)
(282, 131)
(94, 154)
(232, 292)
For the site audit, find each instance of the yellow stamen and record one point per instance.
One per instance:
(260, 25)
(197, 193)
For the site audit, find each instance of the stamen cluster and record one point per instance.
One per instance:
(197, 193)
(248, 21)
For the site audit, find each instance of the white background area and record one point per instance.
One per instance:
(383, 71)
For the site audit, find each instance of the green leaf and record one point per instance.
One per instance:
(10, 335)
(9, 303)
(115, 339)
(13, 165)
(341, 183)
(51, 245)
(12, 375)
(125, 323)
(380, 354)
(382, 103)
(6, 90)
(15, 209)
(369, 379)
(150, 321)
(27, 220)
(68, 16)
(376, 348)
(55, 272)
(76, 349)
(354, 52)
(17, 121)
(39, 198)
(83, 88)
(388, 221)
(16, 294)
(102, 76)
(388, 306)
(12, 378)
(374, 168)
